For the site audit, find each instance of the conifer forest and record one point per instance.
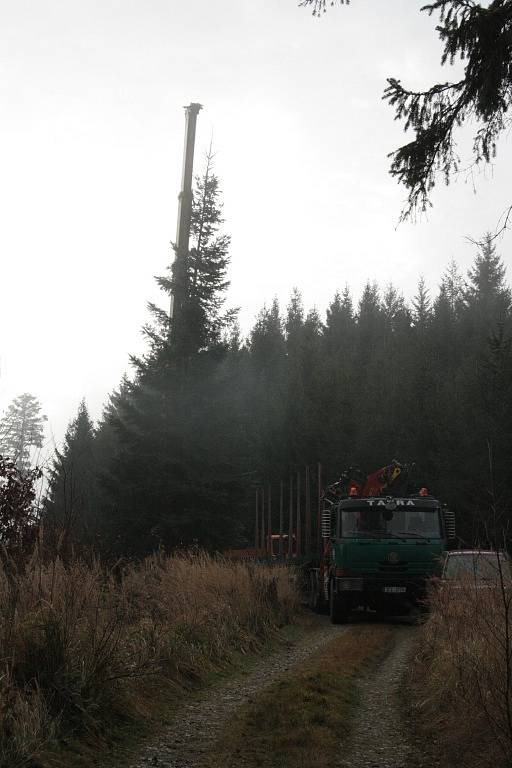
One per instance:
(184, 443)
(282, 537)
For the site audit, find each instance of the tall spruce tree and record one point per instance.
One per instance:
(338, 419)
(487, 297)
(22, 429)
(421, 306)
(73, 503)
(339, 325)
(267, 392)
(174, 477)
(303, 345)
(202, 322)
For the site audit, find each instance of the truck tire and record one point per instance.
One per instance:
(338, 608)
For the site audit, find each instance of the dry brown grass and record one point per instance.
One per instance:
(301, 719)
(83, 648)
(462, 674)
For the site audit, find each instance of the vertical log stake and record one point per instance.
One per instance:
(269, 527)
(290, 521)
(257, 521)
(298, 543)
(308, 514)
(281, 519)
(262, 543)
(319, 510)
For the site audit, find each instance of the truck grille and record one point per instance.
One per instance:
(393, 568)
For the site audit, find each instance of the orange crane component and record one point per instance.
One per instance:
(389, 479)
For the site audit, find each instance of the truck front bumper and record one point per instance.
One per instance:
(344, 584)
(412, 588)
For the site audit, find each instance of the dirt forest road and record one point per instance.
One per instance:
(380, 739)
(196, 728)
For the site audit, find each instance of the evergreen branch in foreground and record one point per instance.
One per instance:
(482, 37)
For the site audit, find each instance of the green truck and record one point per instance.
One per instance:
(379, 550)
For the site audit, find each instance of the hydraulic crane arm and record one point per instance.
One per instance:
(389, 479)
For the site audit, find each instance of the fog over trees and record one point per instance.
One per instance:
(180, 448)
(209, 416)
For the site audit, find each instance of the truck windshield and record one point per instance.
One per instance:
(379, 522)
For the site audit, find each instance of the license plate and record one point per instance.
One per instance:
(394, 590)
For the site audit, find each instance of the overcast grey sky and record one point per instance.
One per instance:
(91, 96)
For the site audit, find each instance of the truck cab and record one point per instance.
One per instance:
(381, 551)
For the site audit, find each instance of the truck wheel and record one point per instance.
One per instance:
(338, 608)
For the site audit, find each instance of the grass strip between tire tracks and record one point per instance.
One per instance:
(303, 718)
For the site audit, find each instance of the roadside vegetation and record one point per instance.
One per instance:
(303, 718)
(462, 675)
(88, 652)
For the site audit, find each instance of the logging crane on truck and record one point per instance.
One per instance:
(379, 544)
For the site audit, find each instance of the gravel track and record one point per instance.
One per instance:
(196, 727)
(381, 738)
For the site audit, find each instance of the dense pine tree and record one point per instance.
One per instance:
(487, 298)
(266, 387)
(73, 503)
(173, 476)
(421, 307)
(181, 448)
(22, 429)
